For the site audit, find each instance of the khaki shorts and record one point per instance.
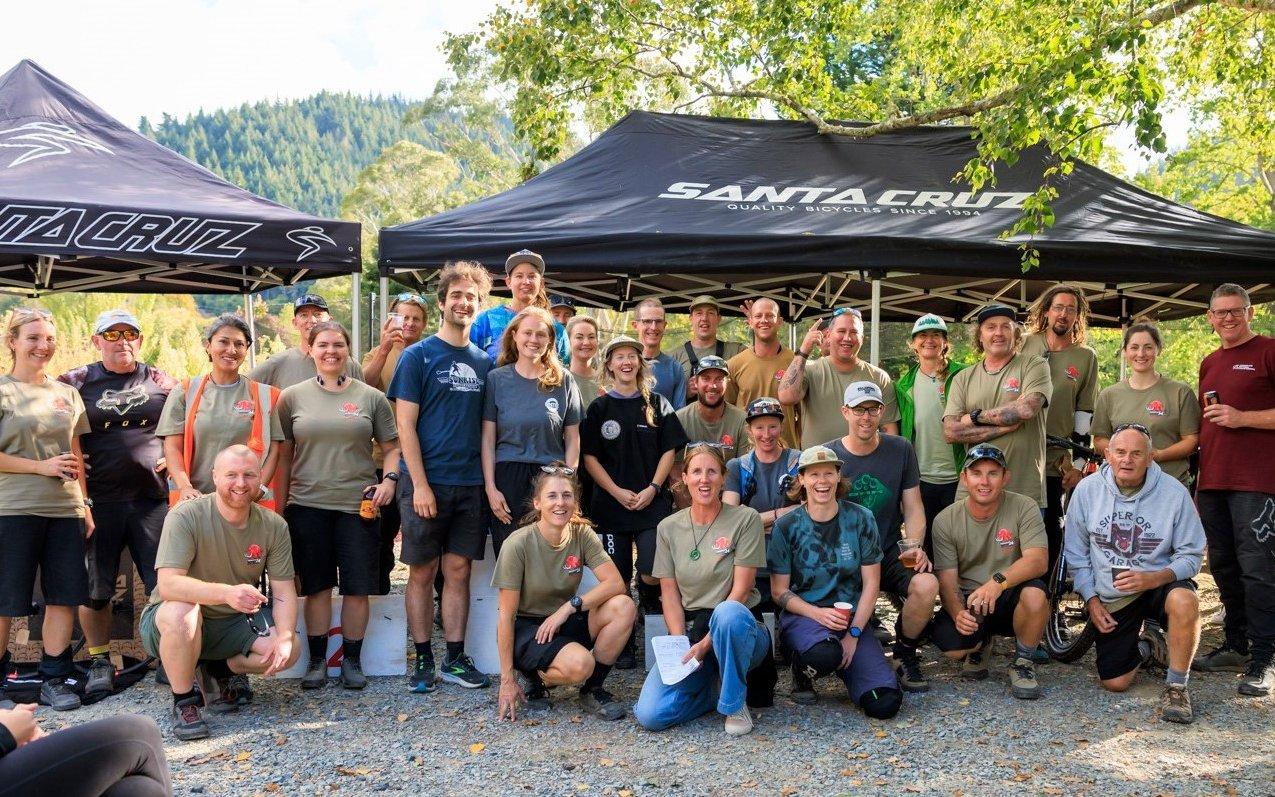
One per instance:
(222, 637)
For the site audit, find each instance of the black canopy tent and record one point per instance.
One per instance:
(675, 206)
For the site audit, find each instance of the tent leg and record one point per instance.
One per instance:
(1124, 324)
(385, 300)
(355, 287)
(250, 316)
(874, 343)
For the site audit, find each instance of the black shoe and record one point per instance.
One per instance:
(909, 672)
(1222, 658)
(462, 672)
(602, 703)
(188, 720)
(803, 689)
(161, 677)
(537, 697)
(101, 678)
(58, 696)
(316, 674)
(423, 679)
(1258, 680)
(241, 690)
(627, 660)
(878, 629)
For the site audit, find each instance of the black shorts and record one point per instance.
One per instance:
(1117, 652)
(531, 656)
(390, 522)
(895, 576)
(619, 546)
(513, 480)
(136, 524)
(55, 546)
(459, 527)
(331, 547)
(1000, 622)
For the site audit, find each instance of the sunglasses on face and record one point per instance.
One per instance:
(112, 335)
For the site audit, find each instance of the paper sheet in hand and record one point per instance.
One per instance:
(669, 651)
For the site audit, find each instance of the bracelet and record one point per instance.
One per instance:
(655, 487)
(805, 355)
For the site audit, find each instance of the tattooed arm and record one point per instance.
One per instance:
(1024, 408)
(960, 429)
(792, 388)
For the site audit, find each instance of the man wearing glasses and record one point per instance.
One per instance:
(649, 323)
(123, 398)
(293, 366)
(1057, 324)
(206, 611)
(884, 477)
(1236, 489)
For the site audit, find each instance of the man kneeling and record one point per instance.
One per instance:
(1134, 541)
(205, 609)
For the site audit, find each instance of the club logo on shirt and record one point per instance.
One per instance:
(727, 440)
(253, 555)
(460, 378)
(61, 406)
(572, 565)
(611, 430)
(779, 375)
(243, 407)
(1155, 407)
(1124, 536)
(350, 410)
(1073, 373)
(121, 401)
(1243, 367)
(1005, 538)
(1012, 385)
(722, 546)
(551, 405)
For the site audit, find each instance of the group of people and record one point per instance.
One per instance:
(717, 481)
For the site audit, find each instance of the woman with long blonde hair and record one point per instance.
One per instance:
(531, 417)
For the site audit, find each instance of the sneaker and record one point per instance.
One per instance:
(1022, 679)
(462, 672)
(627, 660)
(188, 720)
(101, 676)
(740, 723)
(1175, 705)
(225, 698)
(352, 676)
(55, 694)
(600, 702)
(161, 677)
(973, 668)
(1258, 680)
(423, 679)
(803, 689)
(316, 674)
(1222, 658)
(1040, 654)
(909, 672)
(241, 689)
(537, 695)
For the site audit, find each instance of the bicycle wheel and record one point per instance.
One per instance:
(1069, 632)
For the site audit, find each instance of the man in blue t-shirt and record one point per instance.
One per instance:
(670, 381)
(438, 397)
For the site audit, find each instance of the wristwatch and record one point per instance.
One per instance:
(392, 476)
(88, 502)
(577, 603)
(856, 631)
(999, 578)
(974, 415)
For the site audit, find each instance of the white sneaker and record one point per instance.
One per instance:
(740, 723)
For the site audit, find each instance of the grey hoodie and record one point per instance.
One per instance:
(1155, 528)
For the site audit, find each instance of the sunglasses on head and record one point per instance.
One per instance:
(558, 470)
(701, 445)
(1137, 427)
(31, 312)
(408, 296)
(112, 335)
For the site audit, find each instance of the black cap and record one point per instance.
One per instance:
(310, 300)
(994, 310)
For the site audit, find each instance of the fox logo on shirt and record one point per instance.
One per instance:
(121, 401)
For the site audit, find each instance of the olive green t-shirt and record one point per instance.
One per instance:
(1169, 409)
(1074, 374)
(824, 392)
(546, 577)
(734, 539)
(224, 419)
(387, 369)
(730, 430)
(197, 539)
(38, 422)
(977, 549)
(729, 349)
(293, 366)
(753, 377)
(973, 389)
(331, 435)
(588, 387)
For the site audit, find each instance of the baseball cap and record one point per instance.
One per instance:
(994, 310)
(310, 300)
(558, 300)
(110, 318)
(711, 363)
(929, 323)
(764, 407)
(984, 451)
(859, 392)
(817, 455)
(524, 256)
(617, 342)
(704, 301)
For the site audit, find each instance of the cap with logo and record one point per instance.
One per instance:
(524, 256)
(984, 451)
(703, 301)
(558, 300)
(994, 310)
(764, 407)
(818, 455)
(711, 363)
(859, 392)
(929, 323)
(619, 341)
(310, 300)
(110, 318)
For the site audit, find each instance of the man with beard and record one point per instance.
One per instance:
(710, 419)
(705, 319)
(756, 371)
(670, 380)
(294, 366)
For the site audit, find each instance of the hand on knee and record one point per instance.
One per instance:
(881, 704)
(823, 658)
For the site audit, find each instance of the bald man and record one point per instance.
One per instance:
(756, 371)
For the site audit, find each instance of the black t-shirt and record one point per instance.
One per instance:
(615, 431)
(122, 448)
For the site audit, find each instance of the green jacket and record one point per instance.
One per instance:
(907, 409)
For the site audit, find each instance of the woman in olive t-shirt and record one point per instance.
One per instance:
(545, 631)
(44, 517)
(706, 558)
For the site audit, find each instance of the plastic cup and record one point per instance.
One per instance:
(908, 551)
(844, 609)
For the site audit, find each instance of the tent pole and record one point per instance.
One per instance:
(251, 317)
(355, 300)
(1124, 324)
(874, 344)
(385, 299)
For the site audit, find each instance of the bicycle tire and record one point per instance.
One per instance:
(1069, 633)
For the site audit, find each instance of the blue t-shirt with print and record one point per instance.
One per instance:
(490, 326)
(824, 559)
(446, 381)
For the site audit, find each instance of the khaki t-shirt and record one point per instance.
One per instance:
(546, 577)
(729, 349)
(734, 538)
(588, 387)
(973, 388)
(197, 539)
(1168, 408)
(387, 370)
(824, 391)
(291, 367)
(1074, 374)
(753, 377)
(331, 436)
(730, 430)
(38, 422)
(224, 419)
(977, 549)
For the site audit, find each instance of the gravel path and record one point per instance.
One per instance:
(961, 738)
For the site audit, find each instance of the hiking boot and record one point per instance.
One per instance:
(627, 660)
(316, 674)
(240, 690)
(188, 720)
(1175, 705)
(225, 698)
(55, 694)
(1040, 654)
(1258, 680)
(1022, 679)
(352, 676)
(740, 723)
(909, 673)
(803, 689)
(1222, 658)
(101, 678)
(973, 668)
(600, 702)
(423, 679)
(462, 672)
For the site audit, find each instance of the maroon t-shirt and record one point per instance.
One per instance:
(1244, 378)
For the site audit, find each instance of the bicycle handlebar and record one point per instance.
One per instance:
(1083, 451)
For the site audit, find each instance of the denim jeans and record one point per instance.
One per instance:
(1240, 528)
(739, 645)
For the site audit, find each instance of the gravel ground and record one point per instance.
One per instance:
(961, 738)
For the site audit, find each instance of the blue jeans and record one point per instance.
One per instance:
(739, 645)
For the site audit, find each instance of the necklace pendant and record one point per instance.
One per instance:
(694, 555)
